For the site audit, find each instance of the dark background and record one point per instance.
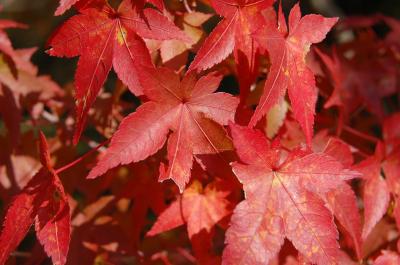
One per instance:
(38, 15)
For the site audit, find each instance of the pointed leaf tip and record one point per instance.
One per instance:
(44, 152)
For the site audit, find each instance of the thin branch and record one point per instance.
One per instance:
(362, 135)
(362, 153)
(73, 163)
(186, 254)
(21, 254)
(187, 6)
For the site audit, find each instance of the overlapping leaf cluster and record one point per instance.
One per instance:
(311, 176)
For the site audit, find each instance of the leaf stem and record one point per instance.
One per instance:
(187, 6)
(362, 153)
(73, 163)
(21, 254)
(186, 254)
(362, 135)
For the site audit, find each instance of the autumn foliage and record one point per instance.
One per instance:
(162, 162)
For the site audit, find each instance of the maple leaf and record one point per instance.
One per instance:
(99, 234)
(19, 82)
(391, 168)
(52, 227)
(388, 258)
(189, 108)
(334, 147)
(376, 194)
(137, 189)
(342, 201)
(353, 83)
(64, 6)
(200, 208)
(282, 199)
(343, 204)
(377, 189)
(337, 75)
(10, 114)
(287, 51)
(7, 53)
(44, 202)
(202, 246)
(105, 38)
(17, 165)
(366, 77)
(391, 132)
(80, 4)
(29, 83)
(234, 33)
(174, 53)
(21, 214)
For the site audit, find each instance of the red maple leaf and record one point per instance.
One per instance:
(105, 38)
(9, 55)
(189, 108)
(388, 258)
(284, 198)
(200, 208)
(342, 201)
(64, 6)
(287, 51)
(44, 202)
(391, 132)
(80, 4)
(376, 194)
(234, 33)
(137, 189)
(355, 83)
(391, 168)
(377, 189)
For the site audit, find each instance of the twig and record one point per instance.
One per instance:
(73, 163)
(187, 7)
(21, 254)
(361, 134)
